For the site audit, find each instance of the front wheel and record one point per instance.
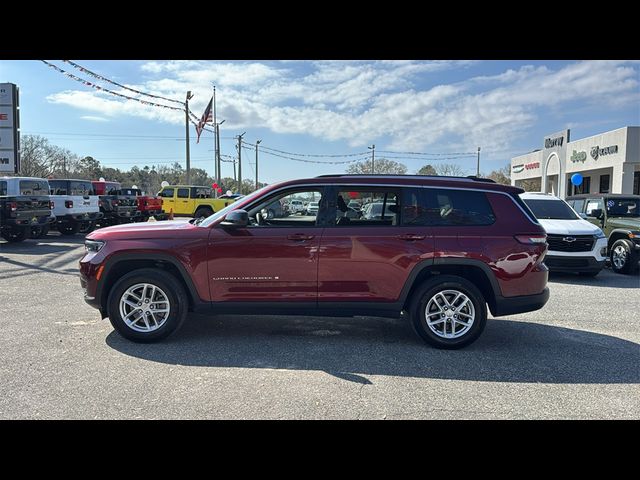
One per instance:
(69, 228)
(203, 212)
(147, 305)
(448, 312)
(622, 256)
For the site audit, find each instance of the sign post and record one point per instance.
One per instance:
(9, 128)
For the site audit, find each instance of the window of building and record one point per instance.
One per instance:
(604, 183)
(427, 206)
(584, 187)
(183, 193)
(636, 183)
(377, 207)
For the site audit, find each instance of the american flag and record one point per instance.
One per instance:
(206, 117)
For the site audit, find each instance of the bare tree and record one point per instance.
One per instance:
(450, 169)
(501, 175)
(382, 166)
(427, 170)
(41, 159)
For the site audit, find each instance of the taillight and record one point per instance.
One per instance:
(68, 203)
(535, 239)
(114, 203)
(99, 203)
(13, 206)
(51, 204)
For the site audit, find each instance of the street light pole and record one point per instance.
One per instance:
(186, 116)
(257, 143)
(478, 169)
(219, 163)
(373, 159)
(240, 163)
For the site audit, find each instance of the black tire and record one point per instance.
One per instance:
(203, 212)
(86, 227)
(178, 303)
(39, 231)
(440, 283)
(68, 228)
(589, 274)
(15, 235)
(623, 257)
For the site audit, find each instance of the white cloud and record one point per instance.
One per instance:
(360, 101)
(93, 118)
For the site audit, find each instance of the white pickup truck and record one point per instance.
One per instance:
(75, 205)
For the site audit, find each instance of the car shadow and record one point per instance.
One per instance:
(352, 348)
(606, 278)
(52, 243)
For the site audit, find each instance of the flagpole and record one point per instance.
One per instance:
(216, 173)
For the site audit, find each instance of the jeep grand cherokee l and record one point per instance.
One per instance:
(440, 251)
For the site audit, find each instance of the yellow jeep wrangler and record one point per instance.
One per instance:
(191, 201)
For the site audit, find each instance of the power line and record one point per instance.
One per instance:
(427, 153)
(306, 161)
(100, 77)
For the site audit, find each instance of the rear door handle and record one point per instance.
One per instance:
(411, 237)
(300, 237)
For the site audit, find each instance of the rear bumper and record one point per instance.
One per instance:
(521, 304)
(561, 263)
(80, 217)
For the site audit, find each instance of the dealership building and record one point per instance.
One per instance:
(608, 162)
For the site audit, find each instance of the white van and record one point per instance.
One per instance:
(575, 245)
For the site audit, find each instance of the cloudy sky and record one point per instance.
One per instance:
(327, 108)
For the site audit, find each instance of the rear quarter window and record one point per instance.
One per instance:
(444, 207)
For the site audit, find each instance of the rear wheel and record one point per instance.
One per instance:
(203, 212)
(623, 257)
(69, 228)
(39, 231)
(448, 312)
(147, 305)
(86, 227)
(15, 235)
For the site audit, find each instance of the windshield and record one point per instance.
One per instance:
(551, 209)
(221, 213)
(623, 207)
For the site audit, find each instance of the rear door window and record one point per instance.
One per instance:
(381, 207)
(183, 193)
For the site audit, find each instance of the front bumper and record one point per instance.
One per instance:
(520, 304)
(573, 264)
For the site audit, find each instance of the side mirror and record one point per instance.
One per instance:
(236, 219)
(596, 212)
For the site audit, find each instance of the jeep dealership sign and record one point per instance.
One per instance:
(9, 129)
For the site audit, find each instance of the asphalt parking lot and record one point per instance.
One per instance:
(579, 357)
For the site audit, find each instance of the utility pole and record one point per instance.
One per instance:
(257, 143)
(240, 163)
(215, 142)
(373, 158)
(478, 169)
(186, 116)
(218, 161)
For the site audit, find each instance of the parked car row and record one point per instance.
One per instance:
(30, 207)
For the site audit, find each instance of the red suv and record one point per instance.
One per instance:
(435, 249)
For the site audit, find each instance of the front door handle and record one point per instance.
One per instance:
(411, 237)
(300, 237)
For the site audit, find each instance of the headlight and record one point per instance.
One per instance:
(600, 234)
(93, 245)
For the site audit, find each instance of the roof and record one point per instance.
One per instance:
(187, 186)
(538, 196)
(23, 178)
(608, 195)
(71, 179)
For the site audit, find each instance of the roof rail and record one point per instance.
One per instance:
(469, 177)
